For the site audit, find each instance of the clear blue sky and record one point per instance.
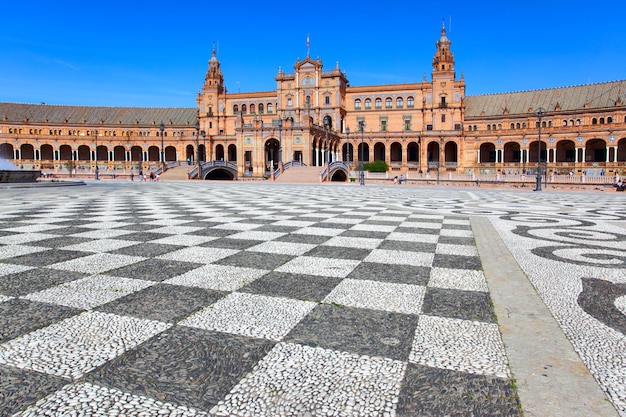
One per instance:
(129, 53)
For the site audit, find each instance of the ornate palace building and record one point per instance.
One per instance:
(315, 117)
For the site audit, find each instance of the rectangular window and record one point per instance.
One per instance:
(327, 100)
(443, 118)
(429, 127)
(407, 124)
(383, 125)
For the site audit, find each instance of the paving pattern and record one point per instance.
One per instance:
(223, 299)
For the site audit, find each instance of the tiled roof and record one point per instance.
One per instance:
(601, 95)
(38, 113)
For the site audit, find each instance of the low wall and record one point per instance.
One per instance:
(19, 176)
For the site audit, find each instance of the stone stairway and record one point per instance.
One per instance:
(301, 174)
(176, 174)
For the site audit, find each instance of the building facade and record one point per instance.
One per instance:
(315, 117)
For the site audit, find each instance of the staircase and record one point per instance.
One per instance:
(301, 174)
(176, 173)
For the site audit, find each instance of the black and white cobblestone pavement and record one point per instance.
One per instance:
(185, 299)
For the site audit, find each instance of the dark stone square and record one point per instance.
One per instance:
(187, 366)
(211, 231)
(356, 330)
(453, 240)
(20, 388)
(297, 286)
(276, 229)
(465, 305)
(339, 252)
(457, 261)
(163, 302)
(430, 391)
(399, 274)
(154, 269)
(140, 227)
(227, 243)
(143, 236)
(300, 238)
(18, 317)
(147, 249)
(456, 227)
(47, 257)
(417, 230)
(257, 260)
(33, 280)
(365, 233)
(60, 242)
(408, 246)
(65, 231)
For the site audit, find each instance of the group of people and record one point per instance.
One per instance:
(397, 180)
(144, 177)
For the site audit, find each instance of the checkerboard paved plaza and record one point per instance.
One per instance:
(259, 299)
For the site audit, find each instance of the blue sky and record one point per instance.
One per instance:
(155, 54)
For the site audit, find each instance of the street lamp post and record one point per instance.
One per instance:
(162, 128)
(540, 112)
(203, 133)
(362, 125)
(198, 146)
(96, 154)
(326, 161)
(280, 144)
(348, 146)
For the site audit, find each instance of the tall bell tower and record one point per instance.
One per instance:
(443, 61)
(446, 94)
(211, 99)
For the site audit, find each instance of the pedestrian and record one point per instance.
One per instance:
(132, 176)
(151, 176)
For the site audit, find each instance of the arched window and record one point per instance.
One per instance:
(270, 108)
(244, 109)
(594, 121)
(488, 127)
(399, 102)
(601, 120)
(609, 119)
(368, 104)
(388, 103)
(261, 108)
(235, 109)
(517, 125)
(378, 103)
(564, 122)
(252, 108)
(357, 104)
(512, 126)
(410, 102)
(499, 126)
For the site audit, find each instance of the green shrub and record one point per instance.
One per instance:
(376, 166)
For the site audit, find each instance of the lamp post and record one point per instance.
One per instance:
(280, 144)
(198, 146)
(96, 155)
(162, 128)
(362, 125)
(348, 146)
(203, 133)
(326, 161)
(539, 113)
